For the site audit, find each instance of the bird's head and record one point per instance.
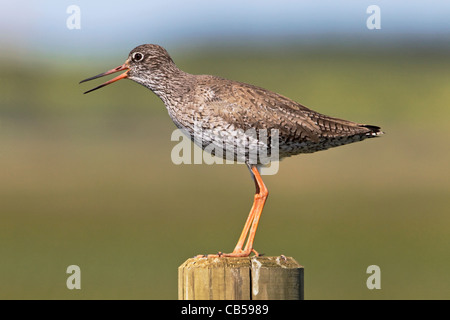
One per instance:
(146, 64)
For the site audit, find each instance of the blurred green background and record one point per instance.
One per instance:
(88, 179)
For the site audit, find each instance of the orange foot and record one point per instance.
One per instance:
(230, 255)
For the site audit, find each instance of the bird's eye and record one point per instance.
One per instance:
(137, 56)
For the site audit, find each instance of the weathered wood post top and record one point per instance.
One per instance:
(249, 278)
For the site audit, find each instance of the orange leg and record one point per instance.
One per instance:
(252, 221)
(248, 223)
(260, 199)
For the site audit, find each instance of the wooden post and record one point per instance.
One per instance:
(249, 278)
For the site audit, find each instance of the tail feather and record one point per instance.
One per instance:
(374, 131)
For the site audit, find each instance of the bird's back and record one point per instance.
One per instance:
(224, 105)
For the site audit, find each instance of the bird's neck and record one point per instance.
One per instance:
(168, 83)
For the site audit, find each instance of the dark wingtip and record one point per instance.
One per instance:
(374, 130)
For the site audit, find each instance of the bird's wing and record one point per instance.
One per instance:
(247, 106)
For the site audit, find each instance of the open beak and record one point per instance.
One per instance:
(119, 68)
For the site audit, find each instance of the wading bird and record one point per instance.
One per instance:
(227, 109)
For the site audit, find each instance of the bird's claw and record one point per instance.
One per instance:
(220, 254)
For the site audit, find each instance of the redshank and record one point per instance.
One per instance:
(227, 110)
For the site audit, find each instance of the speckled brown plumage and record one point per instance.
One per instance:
(214, 102)
(221, 106)
(238, 116)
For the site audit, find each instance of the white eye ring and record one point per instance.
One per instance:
(137, 56)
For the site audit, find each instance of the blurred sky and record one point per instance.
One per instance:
(106, 26)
